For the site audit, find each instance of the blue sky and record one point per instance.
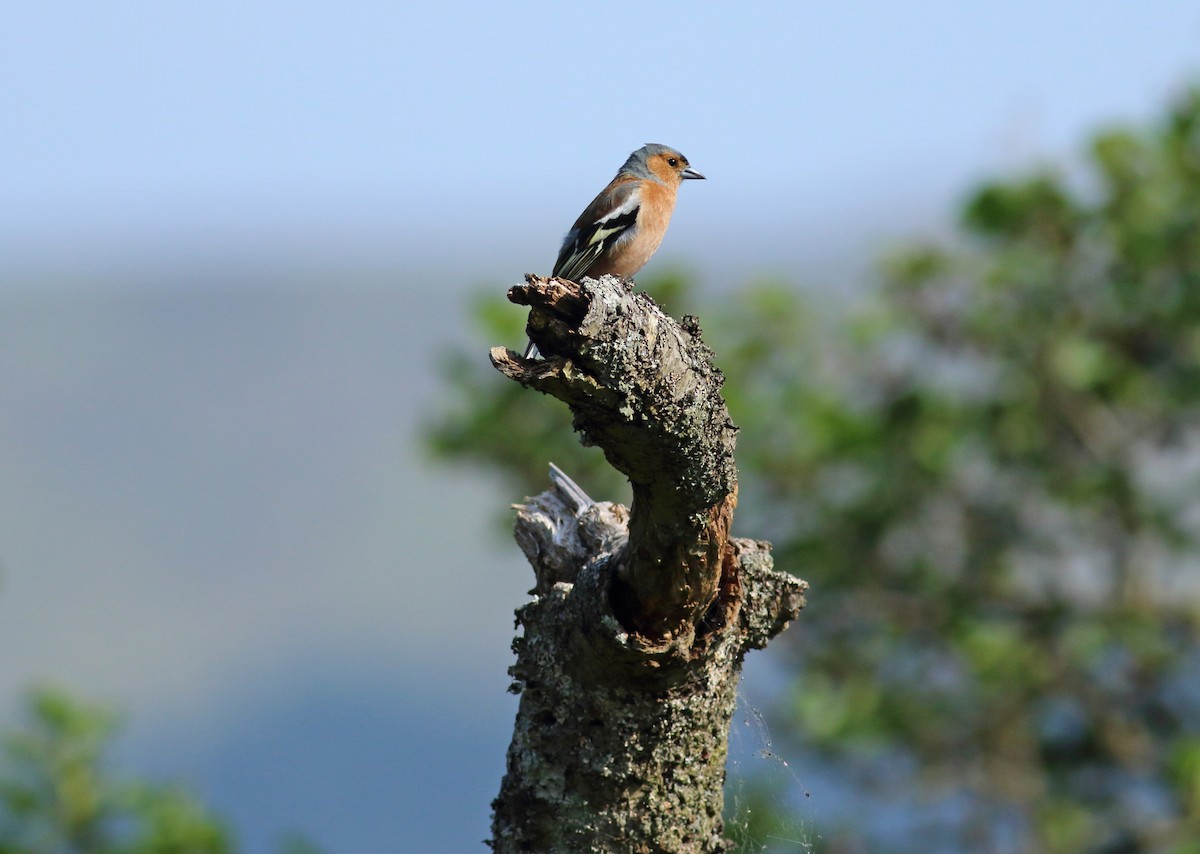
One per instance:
(141, 128)
(236, 239)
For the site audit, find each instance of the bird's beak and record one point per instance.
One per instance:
(691, 173)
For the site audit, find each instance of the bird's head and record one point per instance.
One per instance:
(661, 163)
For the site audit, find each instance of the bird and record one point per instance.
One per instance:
(624, 225)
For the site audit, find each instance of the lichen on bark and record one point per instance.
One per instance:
(631, 648)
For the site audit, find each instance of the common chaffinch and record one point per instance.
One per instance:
(624, 225)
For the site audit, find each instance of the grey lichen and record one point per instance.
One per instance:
(631, 649)
(620, 744)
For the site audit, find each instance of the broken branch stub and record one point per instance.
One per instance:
(643, 388)
(630, 649)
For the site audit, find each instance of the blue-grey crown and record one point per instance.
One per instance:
(636, 164)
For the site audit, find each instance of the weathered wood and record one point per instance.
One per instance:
(631, 648)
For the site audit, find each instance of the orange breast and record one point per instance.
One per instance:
(630, 255)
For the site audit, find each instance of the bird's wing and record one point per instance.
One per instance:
(608, 218)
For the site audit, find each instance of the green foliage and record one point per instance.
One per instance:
(58, 797)
(987, 469)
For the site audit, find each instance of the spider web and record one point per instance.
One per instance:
(768, 809)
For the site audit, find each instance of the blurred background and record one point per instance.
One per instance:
(245, 255)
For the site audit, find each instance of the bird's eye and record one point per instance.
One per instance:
(673, 162)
